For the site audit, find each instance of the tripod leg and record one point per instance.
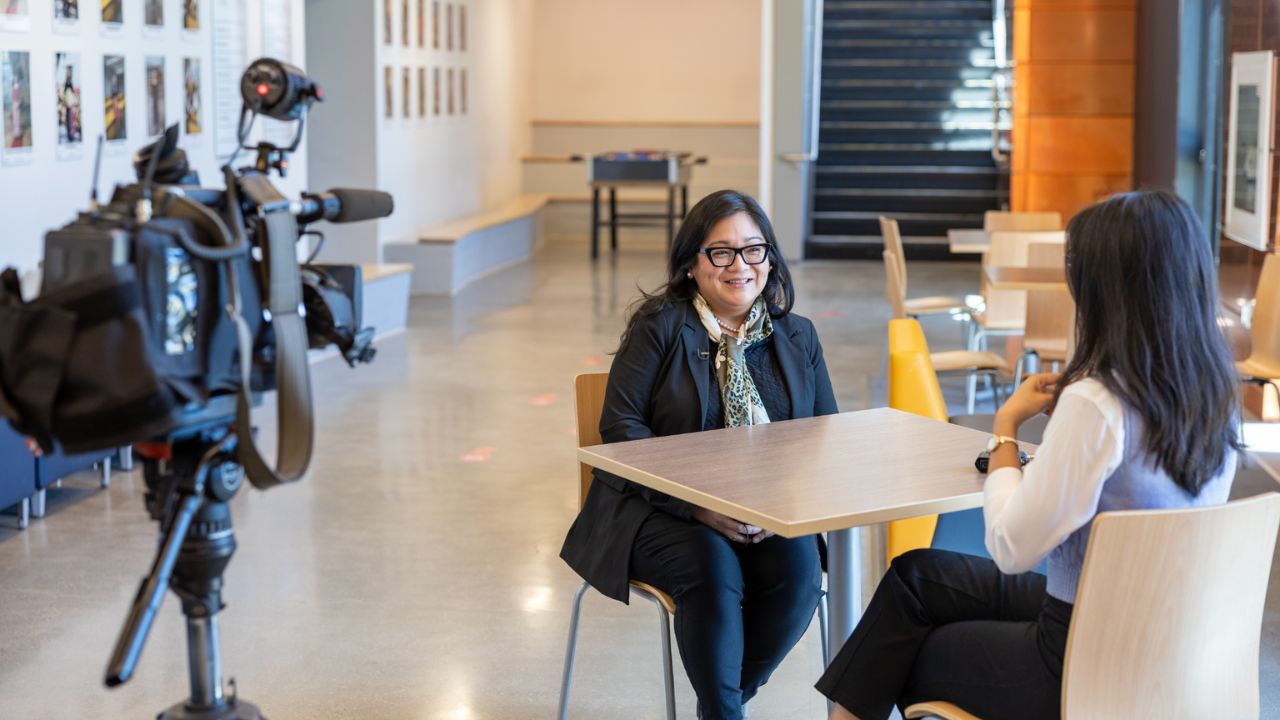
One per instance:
(204, 661)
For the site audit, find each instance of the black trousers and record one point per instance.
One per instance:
(739, 608)
(948, 626)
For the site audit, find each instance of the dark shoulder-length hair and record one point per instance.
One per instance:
(680, 288)
(1142, 273)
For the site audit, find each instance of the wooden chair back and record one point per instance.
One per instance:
(1264, 331)
(1007, 309)
(1168, 615)
(893, 244)
(588, 393)
(1000, 221)
(893, 290)
(1050, 313)
(913, 388)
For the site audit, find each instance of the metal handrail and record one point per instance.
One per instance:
(810, 154)
(1001, 79)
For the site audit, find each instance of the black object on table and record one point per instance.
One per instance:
(671, 170)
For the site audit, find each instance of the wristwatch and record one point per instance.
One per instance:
(998, 440)
(984, 457)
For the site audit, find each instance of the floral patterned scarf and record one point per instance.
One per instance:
(742, 404)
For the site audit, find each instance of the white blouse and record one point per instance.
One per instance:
(1030, 511)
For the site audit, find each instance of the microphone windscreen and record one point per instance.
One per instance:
(356, 204)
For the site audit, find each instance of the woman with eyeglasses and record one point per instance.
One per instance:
(716, 346)
(1144, 417)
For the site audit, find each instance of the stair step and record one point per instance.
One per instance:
(959, 144)
(903, 170)
(914, 104)
(912, 23)
(908, 62)
(909, 83)
(829, 157)
(907, 192)
(871, 247)
(966, 71)
(987, 126)
(900, 217)
(907, 5)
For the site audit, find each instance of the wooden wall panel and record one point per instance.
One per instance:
(1077, 89)
(1082, 35)
(1069, 194)
(1079, 145)
(1073, 103)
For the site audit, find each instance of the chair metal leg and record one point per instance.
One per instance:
(569, 651)
(668, 677)
(1017, 369)
(822, 625)
(126, 458)
(971, 382)
(24, 513)
(38, 504)
(106, 472)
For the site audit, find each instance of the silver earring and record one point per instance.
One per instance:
(689, 275)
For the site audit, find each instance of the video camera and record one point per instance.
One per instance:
(162, 316)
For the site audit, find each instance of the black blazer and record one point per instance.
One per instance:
(658, 385)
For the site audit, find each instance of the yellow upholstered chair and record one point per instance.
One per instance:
(913, 388)
(1168, 615)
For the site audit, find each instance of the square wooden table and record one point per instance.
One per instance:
(972, 241)
(1001, 277)
(825, 474)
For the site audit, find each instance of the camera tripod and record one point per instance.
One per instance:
(189, 485)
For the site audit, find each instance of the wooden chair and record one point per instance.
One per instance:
(1049, 333)
(973, 363)
(1002, 221)
(1262, 366)
(588, 390)
(917, 307)
(1168, 616)
(1006, 310)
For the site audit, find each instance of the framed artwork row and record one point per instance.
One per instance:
(447, 22)
(70, 73)
(439, 92)
(15, 15)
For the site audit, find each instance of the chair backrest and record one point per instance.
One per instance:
(913, 388)
(588, 393)
(1008, 308)
(913, 383)
(1168, 614)
(1264, 332)
(893, 244)
(1050, 313)
(893, 290)
(997, 220)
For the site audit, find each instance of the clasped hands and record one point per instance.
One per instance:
(1034, 396)
(736, 531)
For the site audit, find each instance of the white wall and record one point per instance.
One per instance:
(665, 74)
(634, 60)
(440, 167)
(48, 192)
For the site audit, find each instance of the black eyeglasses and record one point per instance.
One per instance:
(724, 256)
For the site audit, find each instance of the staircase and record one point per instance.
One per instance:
(907, 120)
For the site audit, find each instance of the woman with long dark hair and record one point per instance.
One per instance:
(1144, 416)
(716, 346)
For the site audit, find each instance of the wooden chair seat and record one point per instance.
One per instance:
(1049, 349)
(985, 322)
(943, 710)
(668, 603)
(952, 360)
(935, 305)
(1256, 369)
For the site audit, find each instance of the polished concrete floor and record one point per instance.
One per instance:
(414, 572)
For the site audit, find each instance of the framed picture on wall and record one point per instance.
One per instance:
(191, 15)
(1252, 98)
(66, 16)
(15, 15)
(15, 79)
(66, 88)
(193, 124)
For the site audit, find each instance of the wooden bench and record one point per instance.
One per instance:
(449, 256)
